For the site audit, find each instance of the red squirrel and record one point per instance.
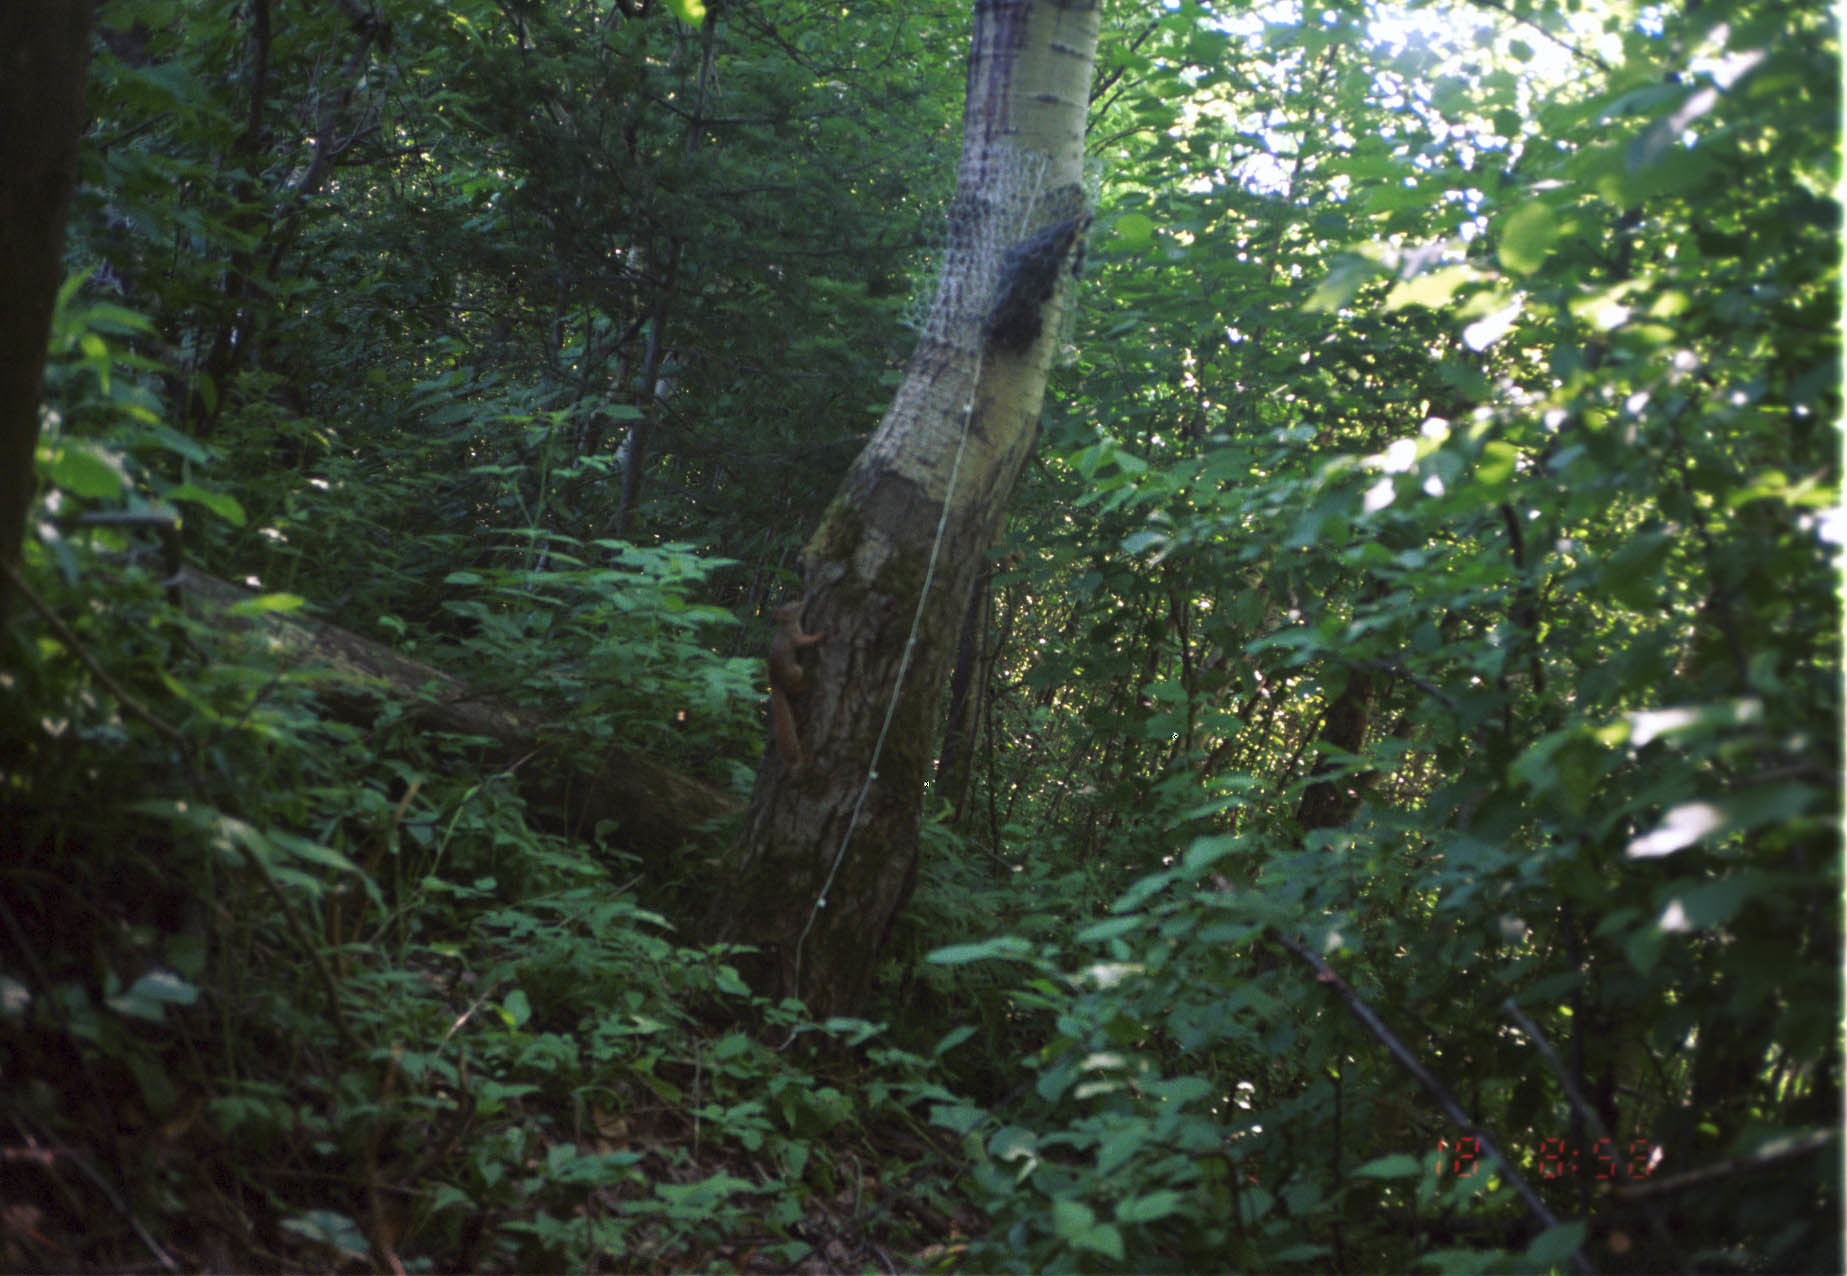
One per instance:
(788, 679)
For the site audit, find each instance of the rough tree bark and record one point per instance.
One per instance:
(828, 856)
(43, 48)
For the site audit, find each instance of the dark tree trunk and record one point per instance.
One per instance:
(1329, 803)
(44, 45)
(954, 765)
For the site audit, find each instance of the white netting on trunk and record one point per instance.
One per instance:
(1002, 247)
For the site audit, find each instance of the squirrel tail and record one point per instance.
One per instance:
(782, 726)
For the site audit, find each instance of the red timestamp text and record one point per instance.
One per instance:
(1557, 1158)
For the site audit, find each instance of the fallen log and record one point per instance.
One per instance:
(656, 809)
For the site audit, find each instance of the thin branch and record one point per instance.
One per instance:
(1109, 80)
(1424, 685)
(1436, 1089)
(1559, 40)
(1779, 1150)
(115, 1199)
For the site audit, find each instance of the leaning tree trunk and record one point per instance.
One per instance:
(828, 853)
(43, 47)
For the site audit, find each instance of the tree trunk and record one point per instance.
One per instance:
(43, 47)
(967, 684)
(828, 855)
(1330, 803)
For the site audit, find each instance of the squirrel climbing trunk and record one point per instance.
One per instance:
(787, 680)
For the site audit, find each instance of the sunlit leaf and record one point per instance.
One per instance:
(220, 503)
(1001, 946)
(1433, 289)
(1527, 235)
(86, 469)
(1135, 230)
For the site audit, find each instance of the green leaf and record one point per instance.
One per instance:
(1433, 289)
(1109, 928)
(1643, 947)
(1254, 1203)
(951, 1039)
(1139, 891)
(79, 466)
(219, 503)
(336, 1231)
(1465, 1262)
(1768, 804)
(492, 1095)
(1120, 1145)
(1556, 1244)
(1349, 273)
(1207, 851)
(116, 320)
(1396, 1166)
(1527, 236)
(1136, 231)
(1136, 543)
(853, 1031)
(1495, 470)
(1633, 574)
(311, 851)
(1703, 905)
(1181, 1089)
(957, 1117)
(1148, 1207)
(1001, 946)
(1012, 1142)
(730, 1046)
(1565, 764)
(151, 994)
(1076, 1224)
